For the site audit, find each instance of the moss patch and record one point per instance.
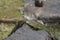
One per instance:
(10, 9)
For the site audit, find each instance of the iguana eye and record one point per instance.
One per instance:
(38, 3)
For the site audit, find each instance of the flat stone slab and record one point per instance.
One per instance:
(26, 33)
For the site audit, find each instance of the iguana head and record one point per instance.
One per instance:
(39, 3)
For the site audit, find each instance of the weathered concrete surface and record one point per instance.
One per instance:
(48, 13)
(26, 33)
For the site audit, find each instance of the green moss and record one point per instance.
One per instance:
(10, 9)
(5, 30)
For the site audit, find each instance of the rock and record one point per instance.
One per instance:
(26, 33)
(50, 12)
